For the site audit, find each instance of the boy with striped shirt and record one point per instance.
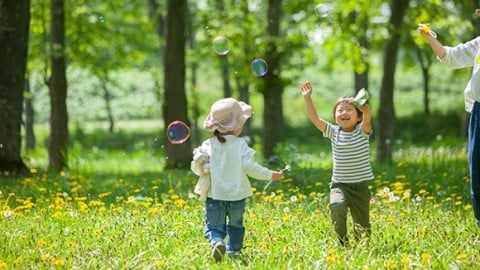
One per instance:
(351, 163)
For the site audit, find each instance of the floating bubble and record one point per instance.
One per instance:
(259, 67)
(178, 132)
(220, 45)
(323, 9)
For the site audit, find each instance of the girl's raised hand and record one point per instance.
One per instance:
(306, 89)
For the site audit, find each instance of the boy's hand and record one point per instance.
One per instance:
(365, 108)
(306, 89)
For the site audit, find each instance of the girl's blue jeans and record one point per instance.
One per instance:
(225, 219)
(474, 159)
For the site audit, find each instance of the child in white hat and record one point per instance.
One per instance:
(224, 163)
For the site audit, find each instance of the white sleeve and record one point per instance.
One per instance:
(251, 167)
(462, 55)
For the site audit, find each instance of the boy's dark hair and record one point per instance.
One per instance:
(219, 136)
(348, 100)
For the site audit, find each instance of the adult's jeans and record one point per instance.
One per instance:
(225, 219)
(474, 159)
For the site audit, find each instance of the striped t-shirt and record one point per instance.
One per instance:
(351, 154)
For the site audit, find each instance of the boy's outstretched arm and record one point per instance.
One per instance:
(367, 118)
(312, 113)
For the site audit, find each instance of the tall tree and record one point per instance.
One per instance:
(386, 112)
(14, 27)
(273, 85)
(175, 102)
(58, 140)
(29, 118)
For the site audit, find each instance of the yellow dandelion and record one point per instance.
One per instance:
(3, 265)
(467, 207)
(160, 263)
(425, 256)
(59, 262)
(41, 243)
(461, 256)
(103, 195)
(95, 203)
(330, 259)
(405, 260)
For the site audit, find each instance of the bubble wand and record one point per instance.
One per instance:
(287, 168)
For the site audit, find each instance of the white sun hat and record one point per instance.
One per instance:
(227, 115)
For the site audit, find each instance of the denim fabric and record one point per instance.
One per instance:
(474, 158)
(353, 196)
(217, 213)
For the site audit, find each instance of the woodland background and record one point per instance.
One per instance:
(66, 65)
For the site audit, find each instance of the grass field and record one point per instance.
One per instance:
(120, 210)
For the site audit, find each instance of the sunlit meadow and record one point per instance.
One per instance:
(106, 215)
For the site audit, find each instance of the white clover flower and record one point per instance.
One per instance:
(7, 213)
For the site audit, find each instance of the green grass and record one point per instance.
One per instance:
(118, 209)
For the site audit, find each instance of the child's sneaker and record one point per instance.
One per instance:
(218, 249)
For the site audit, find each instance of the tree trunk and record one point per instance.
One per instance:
(386, 112)
(361, 77)
(14, 27)
(273, 87)
(107, 99)
(242, 83)
(196, 139)
(29, 118)
(155, 13)
(425, 64)
(175, 102)
(227, 89)
(58, 141)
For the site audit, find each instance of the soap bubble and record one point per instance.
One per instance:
(220, 45)
(178, 132)
(323, 9)
(259, 67)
